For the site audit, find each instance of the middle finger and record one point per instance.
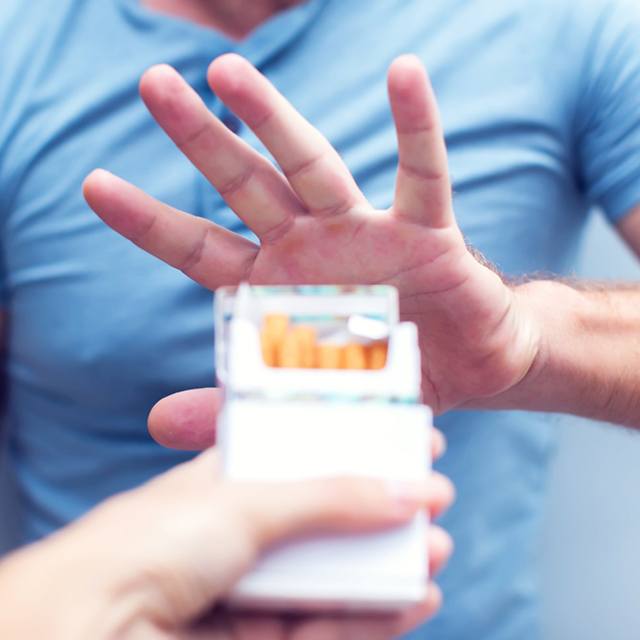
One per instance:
(248, 182)
(313, 167)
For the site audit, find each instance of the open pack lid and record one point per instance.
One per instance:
(371, 310)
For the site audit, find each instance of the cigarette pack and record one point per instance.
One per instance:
(324, 381)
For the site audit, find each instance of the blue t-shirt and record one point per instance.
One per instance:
(540, 108)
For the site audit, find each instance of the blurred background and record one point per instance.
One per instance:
(591, 568)
(591, 565)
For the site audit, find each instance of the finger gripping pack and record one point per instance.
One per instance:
(319, 382)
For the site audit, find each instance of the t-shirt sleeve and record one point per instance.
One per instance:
(608, 112)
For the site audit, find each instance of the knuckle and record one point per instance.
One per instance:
(194, 255)
(235, 184)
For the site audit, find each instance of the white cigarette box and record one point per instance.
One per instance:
(281, 423)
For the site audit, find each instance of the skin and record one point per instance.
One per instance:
(234, 18)
(484, 343)
(316, 226)
(154, 562)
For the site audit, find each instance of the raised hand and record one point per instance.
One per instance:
(316, 226)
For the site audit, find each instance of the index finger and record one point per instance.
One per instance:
(277, 511)
(312, 166)
(247, 181)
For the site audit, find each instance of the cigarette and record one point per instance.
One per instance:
(269, 349)
(377, 355)
(276, 325)
(274, 330)
(290, 351)
(328, 356)
(354, 356)
(296, 347)
(306, 337)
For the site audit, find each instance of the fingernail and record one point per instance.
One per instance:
(409, 494)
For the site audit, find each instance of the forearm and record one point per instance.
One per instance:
(66, 586)
(39, 596)
(588, 361)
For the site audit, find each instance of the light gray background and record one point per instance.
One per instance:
(592, 534)
(591, 566)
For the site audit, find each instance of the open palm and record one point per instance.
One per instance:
(316, 226)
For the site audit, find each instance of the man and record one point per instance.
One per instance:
(534, 138)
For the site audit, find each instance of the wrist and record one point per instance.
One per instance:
(561, 375)
(535, 300)
(530, 307)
